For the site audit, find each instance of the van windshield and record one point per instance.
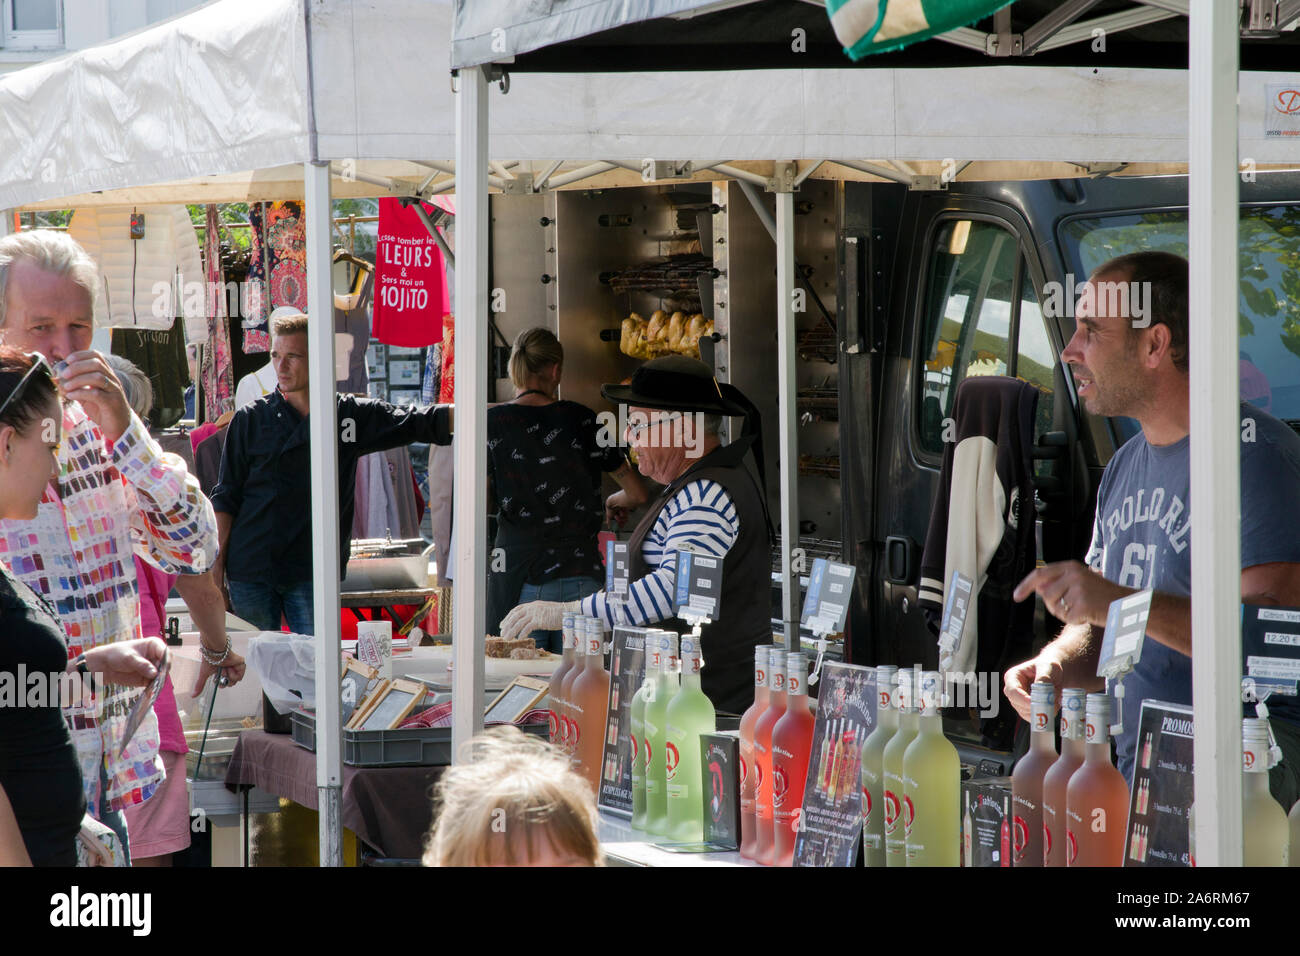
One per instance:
(1268, 320)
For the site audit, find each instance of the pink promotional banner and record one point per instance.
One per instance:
(411, 295)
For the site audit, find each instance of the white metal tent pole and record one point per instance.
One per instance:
(787, 413)
(323, 426)
(470, 501)
(1215, 431)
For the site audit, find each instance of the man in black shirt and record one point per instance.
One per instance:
(263, 498)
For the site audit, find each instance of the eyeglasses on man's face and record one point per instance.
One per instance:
(633, 432)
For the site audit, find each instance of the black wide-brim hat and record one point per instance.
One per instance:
(677, 383)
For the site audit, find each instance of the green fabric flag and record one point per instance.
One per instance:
(877, 26)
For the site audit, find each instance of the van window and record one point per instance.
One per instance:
(1036, 362)
(1269, 302)
(968, 309)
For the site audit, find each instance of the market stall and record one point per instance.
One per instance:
(255, 100)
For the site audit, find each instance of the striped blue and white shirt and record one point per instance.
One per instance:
(700, 517)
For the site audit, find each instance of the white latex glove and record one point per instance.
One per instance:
(535, 616)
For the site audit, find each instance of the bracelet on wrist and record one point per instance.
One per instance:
(211, 658)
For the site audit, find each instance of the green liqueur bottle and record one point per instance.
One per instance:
(636, 731)
(873, 773)
(689, 715)
(931, 786)
(656, 735)
(892, 762)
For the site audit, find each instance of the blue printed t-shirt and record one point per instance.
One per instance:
(1141, 538)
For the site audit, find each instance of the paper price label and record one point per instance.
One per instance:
(698, 586)
(1126, 627)
(826, 605)
(955, 606)
(617, 571)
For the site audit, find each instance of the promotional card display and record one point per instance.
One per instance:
(1161, 791)
(986, 822)
(720, 755)
(617, 574)
(955, 606)
(830, 824)
(626, 671)
(830, 586)
(699, 587)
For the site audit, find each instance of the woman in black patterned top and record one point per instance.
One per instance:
(545, 459)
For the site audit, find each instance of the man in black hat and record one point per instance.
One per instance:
(710, 504)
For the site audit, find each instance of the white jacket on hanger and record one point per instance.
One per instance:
(145, 283)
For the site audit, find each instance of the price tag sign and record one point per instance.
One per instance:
(955, 606)
(1270, 645)
(826, 605)
(699, 587)
(1126, 627)
(616, 569)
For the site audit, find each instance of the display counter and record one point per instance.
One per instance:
(624, 846)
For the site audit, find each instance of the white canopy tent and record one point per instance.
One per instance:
(261, 99)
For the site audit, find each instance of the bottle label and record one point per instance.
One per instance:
(758, 776)
(760, 677)
(1019, 837)
(552, 725)
(744, 769)
(670, 750)
(1042, 718)
(792, 685)
(575, 733)
(891, 813)
(648, 751)
(780, 784)
(884, 703)
(1071, 848)
(651, 787)
(636, 752)
(908, 814)
(866, 807)
(1047, 839)
(677, 791)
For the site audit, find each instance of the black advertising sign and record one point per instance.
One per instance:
(830, 821)
(830, 586)
(720, 756)
(1161, 792)
(626, 671)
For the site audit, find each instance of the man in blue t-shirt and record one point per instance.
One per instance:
(1142, 530)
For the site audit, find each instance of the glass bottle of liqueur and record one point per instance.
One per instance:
(554, 701)
(566, 712)
(1027, 778)
(656, 735)
(764, 822)
(791, 750)
(931, 785)
(892, 764)
(1293, 820)
(1266, 833)
(689, 715)
(872, 773)
(1096, 800)
(748, 766)
(847, 769)
(826, 758)
(636, 728)
(590, 703)
(1059, 773)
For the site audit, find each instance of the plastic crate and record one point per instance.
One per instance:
(413, 747)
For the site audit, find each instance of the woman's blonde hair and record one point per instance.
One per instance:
(534, 350)
(513, 791)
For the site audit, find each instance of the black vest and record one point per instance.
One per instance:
(746, 603)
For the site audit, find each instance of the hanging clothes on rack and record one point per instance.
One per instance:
(352, 317)
(216, 372)
(160, 354)
(430, 384)
(257, 337)
(286, 244)
(137, 249)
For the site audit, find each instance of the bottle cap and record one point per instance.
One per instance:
(1254, 729)
(1072, 712)
(690, 645)
(930, 694)
(796, 673)
(1098, 708)
(1043, 693)
(667, 646)
(906, 690)
(1255, 745)
(886, 674)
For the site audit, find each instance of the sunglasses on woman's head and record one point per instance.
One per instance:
(38, 362)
